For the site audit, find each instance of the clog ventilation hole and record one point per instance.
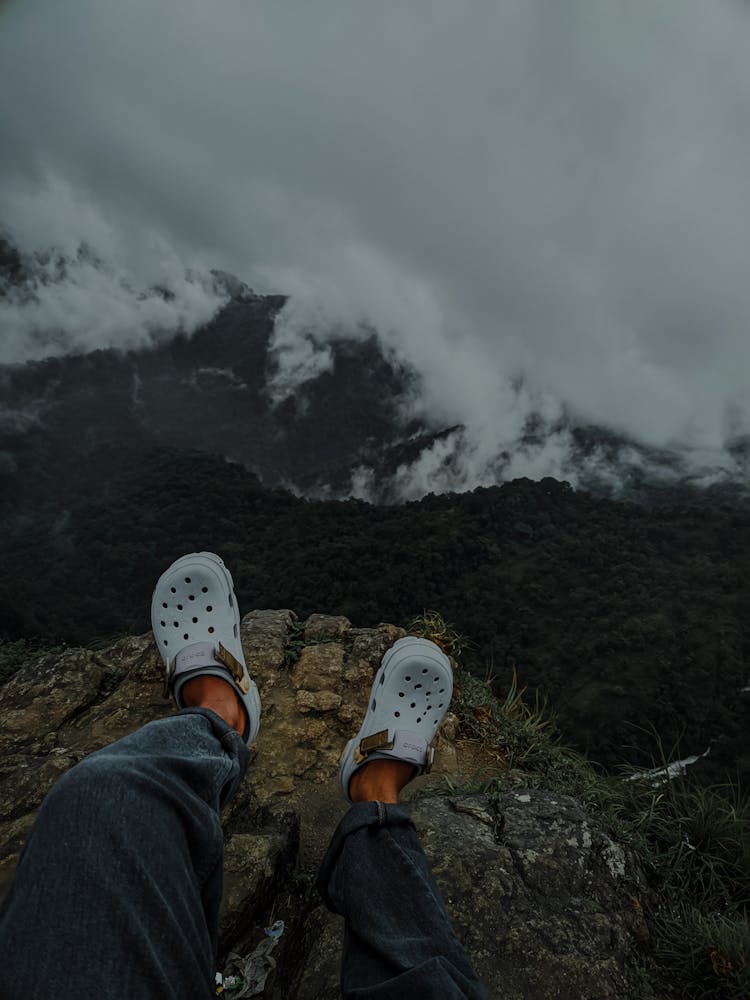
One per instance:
(195, 618)
(418, 694)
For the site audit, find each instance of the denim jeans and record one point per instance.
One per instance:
(118, 888)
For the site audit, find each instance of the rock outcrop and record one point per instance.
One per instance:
(543, 900)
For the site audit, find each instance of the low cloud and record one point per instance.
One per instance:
(541, 209)
(81, 292)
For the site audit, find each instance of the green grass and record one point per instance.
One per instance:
(294, 643)
(692, 842)
(710, 952)
(431, 625)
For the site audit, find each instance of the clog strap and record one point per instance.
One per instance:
(403, 745)
(205, 654)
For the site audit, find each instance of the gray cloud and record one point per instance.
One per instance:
(90, 284)
(551, 196)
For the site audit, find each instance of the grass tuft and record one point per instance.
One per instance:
(432, 625)
(294, 643)
(709, 951)
(692, 842)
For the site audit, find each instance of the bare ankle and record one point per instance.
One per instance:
(380, 781)
(218, 695)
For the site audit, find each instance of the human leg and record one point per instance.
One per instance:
(119, 884)
(398, 938)
(118, 888)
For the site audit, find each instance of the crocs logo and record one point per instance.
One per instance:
(412, 746)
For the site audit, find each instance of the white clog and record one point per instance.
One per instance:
(409, 698)
(196, 625)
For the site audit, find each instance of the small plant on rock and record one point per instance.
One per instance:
(294, 643)
(431, 625)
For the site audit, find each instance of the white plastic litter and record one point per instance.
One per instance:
(246, 977)
(660, 775)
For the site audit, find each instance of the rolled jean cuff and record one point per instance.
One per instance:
(361, 814)
(231, 742)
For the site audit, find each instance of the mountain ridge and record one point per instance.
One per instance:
(111, 461)
(353, 428)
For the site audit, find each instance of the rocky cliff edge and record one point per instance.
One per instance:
(543, 900)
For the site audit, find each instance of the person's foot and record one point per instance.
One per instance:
(219, 696)
(196, 624)
(409, 698)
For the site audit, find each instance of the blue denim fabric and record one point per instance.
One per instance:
(118, 887)
(398, 938)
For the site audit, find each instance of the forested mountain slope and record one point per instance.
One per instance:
(630, 619)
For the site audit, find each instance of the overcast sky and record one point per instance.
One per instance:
(542, 205)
